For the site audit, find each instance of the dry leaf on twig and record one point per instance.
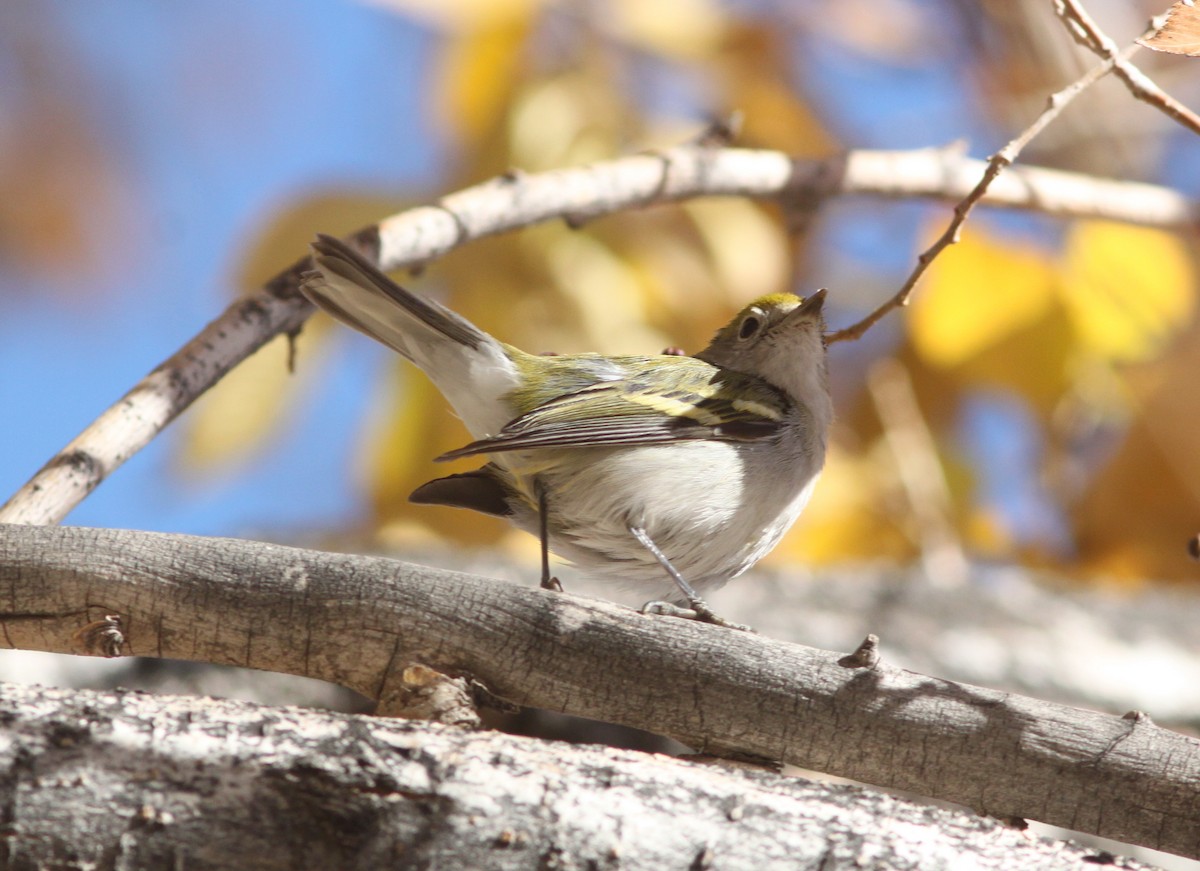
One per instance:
(1180, 34)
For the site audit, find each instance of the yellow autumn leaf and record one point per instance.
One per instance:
(462, 15)
(236, 417)
(543, 122)
(847, 518)
(1127, 289)
(250, 403)
(674, 28)
(749, 251)
(395, 449)
(684, 295)
(284, 236)
(476, 73)
(977, 294)
(562, 121)
(606, 291)
(412, 424)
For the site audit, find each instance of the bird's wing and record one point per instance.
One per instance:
(704, 403)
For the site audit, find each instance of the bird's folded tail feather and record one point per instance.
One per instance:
(472, 369)
(356, 292)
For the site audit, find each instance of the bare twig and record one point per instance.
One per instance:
(996, 164)
(949, 237)
(417, 236)
(866, 655)
(351, 619)
(1083, 30)
(919, 468)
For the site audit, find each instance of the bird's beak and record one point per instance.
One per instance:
(812, 305)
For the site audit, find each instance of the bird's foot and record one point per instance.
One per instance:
(698, 611)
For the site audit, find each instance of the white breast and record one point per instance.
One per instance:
(714, 508)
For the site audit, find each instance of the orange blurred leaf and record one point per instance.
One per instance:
(1139, 510)
(754, 69)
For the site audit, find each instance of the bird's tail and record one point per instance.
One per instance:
(354, 291)
(471, 369)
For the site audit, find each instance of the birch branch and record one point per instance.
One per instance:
(996, 164)
(361, 621)
(417, 236)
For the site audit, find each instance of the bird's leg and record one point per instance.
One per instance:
(699, 608)
(548, 581)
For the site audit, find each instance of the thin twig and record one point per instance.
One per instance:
(996, 164)
(1083, 30)
(920, 471)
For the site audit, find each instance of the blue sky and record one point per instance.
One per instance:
(210, 129)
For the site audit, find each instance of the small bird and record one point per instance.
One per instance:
(668, 474)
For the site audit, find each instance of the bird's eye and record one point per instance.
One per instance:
(750, 326)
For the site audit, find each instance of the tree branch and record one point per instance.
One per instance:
(1084, 30)
(346, 618)
(417, 236)
(996, 164)
(1007, 627)
(149, 782)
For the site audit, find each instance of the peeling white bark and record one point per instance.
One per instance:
(416, 236)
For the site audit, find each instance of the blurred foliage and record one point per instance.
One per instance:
(56, 174)
(1093, 331)
(230, 424)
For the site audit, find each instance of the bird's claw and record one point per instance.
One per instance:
(698, 611)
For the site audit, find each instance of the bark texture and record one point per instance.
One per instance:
(362, 621)
(133, 781)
